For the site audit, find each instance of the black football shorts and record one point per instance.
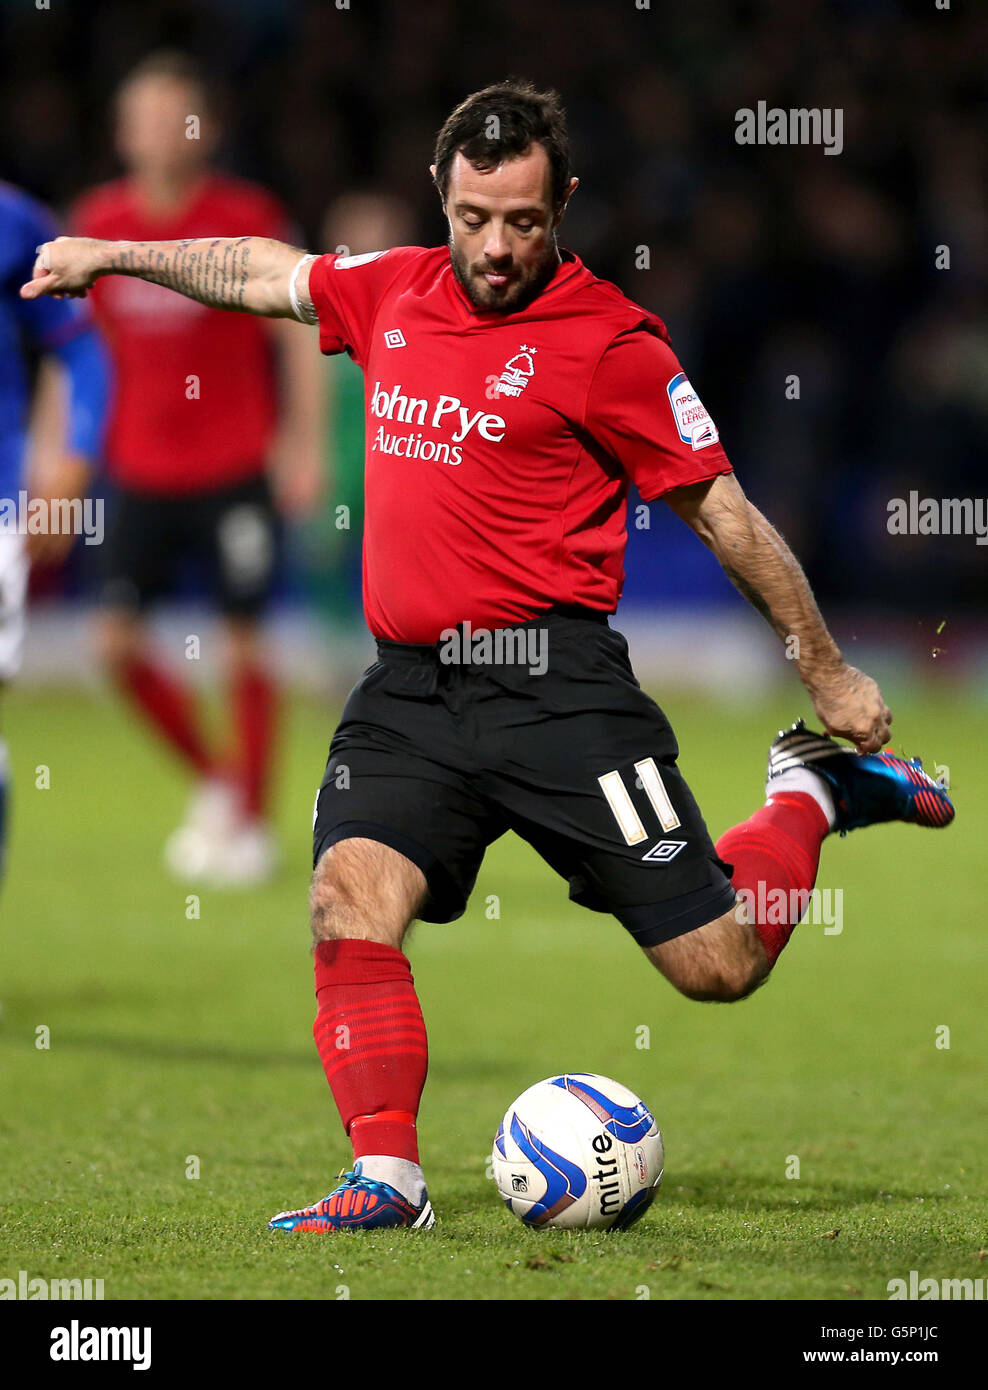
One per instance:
(547, 734)
(229, 534)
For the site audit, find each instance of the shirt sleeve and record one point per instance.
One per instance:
(643, 411)
(346, 290)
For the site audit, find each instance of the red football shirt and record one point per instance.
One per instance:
(195, 400)
(499, 447)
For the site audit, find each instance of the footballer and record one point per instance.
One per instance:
(201, 471)
(511, 397)
(65, 335)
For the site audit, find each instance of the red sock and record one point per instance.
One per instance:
(255, 704)
(171, 709)
(372, 1044)
(776, 848)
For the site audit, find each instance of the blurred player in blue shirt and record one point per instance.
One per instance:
(63, 331)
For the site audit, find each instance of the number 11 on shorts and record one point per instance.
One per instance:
(619, 800)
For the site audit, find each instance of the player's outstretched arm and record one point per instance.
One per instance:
(249, 273)
(762, 567)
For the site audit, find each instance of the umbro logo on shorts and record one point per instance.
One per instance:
(664, 851)
(394, 338)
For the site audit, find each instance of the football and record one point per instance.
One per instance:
(578, 1150)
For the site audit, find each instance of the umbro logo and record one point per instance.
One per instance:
(664, 851)
(394, 338)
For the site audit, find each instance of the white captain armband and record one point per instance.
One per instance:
(305, 312)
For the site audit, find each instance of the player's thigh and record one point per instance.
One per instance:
(363, 890)
(415, 811)
(396, 775)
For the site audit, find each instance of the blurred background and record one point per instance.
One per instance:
(765, 262)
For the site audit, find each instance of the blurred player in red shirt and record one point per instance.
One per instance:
(201, 469)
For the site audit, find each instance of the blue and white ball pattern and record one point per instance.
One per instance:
(578, 1150)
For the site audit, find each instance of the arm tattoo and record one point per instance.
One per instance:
(756, 600)
(213, 272)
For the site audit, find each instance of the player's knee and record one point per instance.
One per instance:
(119, 638)
(363, 891)
(720, 962)
(243, 645)
(724, 982)
(331, 899)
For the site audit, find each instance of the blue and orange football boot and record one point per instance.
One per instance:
(358, 1204)
(868, 788)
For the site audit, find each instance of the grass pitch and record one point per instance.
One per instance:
(182, 1045)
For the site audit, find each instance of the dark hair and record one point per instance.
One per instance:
(502, 122)
(174, 65)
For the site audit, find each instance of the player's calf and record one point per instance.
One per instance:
(814, 787)
(369, 1033)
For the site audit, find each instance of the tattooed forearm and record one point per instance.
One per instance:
(214, 272)
(762, 568)
(757, 601)
(249, 273)
(758, 562)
